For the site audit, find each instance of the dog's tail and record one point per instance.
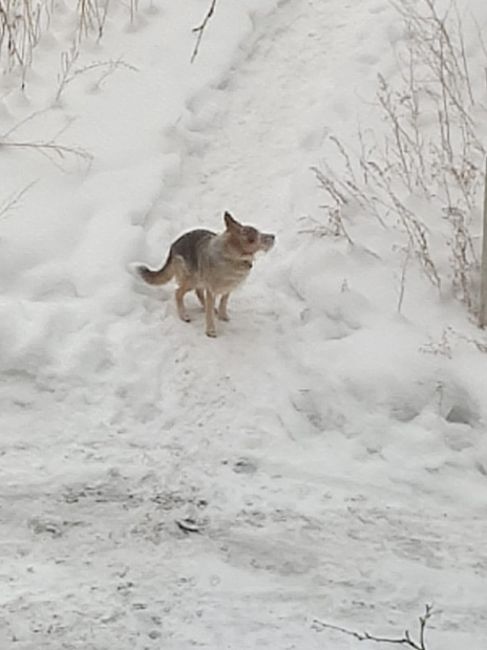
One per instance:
(157, 277)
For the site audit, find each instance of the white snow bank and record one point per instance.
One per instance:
(394, 365)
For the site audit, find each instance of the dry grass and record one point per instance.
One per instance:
(23, 22)
(431, 153)
(22, 25)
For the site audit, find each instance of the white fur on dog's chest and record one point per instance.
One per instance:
(234, 274)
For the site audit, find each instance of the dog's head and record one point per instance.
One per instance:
(247, 239)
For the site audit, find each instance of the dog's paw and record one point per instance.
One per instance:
(185, 318)
(211, 333)
(224, 317)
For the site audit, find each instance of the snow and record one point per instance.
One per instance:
(330, 450)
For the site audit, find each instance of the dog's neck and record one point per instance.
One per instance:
(233, 251)
(242, 261)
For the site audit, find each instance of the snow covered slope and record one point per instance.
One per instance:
(329, 453)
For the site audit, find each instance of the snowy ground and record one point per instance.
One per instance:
(334, 468)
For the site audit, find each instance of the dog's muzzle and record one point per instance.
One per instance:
(267, 241)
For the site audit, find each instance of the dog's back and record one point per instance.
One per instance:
(190, 247)
(186, 249)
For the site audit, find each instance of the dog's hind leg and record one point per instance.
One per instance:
(201, 296)
(222, 307)
(180, 292)
(210, 314)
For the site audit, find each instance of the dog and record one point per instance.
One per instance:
(211, 264)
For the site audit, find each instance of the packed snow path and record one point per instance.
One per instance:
(295, 519)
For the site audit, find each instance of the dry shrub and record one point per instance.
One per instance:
(23, 22)
(428, 169)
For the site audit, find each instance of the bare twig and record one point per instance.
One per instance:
(102, 17)
(52, 150)
(201, 28)
(13, 200)
(402, 287)
(92, 17)
(483, 291)
(68, 75)
(134, 7)
(405, 640)
(21, 123)
(68, 59)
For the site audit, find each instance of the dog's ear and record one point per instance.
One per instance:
(230, 222)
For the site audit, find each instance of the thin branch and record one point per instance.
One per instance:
(51, 150)
(58, 149)
(365, 636)
(27, 119)
(483, 272)
(405, 640)
(404, 269)
(110, 67)
(201, 28)
(14, 199)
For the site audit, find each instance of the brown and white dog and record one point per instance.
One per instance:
(210, 264)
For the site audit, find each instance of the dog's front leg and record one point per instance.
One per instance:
(210, 313)
(222, 308)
